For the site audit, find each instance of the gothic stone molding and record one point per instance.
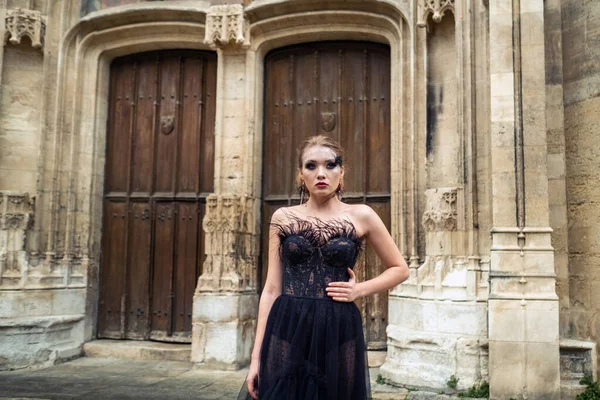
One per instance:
(226, 24)
(16, 219)
(437, 8)
(20, 23)
(17, 211)
(230, 255)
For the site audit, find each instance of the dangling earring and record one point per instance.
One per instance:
(340, 191)
(301, 189)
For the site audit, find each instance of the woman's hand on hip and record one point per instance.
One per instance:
(344, 291)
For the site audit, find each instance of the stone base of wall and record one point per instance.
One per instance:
(429, 341)
(39, 341)
(223, 328)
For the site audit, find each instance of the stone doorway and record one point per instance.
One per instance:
(341, 89)
(159, 171)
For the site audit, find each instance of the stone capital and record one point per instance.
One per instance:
(226, 26)
(20, 23)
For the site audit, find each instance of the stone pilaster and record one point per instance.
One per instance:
(225, 303)
(523, 306)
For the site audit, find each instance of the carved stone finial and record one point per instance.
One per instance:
(226, 24)
(21, 23)
(435, 7)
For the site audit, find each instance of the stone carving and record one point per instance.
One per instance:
(20, 23)
(437, 8)
(226, 24)
(16, 217)
(230, 259)
(444, 274)
(441, 214)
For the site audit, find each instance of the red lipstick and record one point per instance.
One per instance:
(321, 185)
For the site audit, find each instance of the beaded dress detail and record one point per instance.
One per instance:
(313, 346)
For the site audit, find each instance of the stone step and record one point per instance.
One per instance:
(137, 350)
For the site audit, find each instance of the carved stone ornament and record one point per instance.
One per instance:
(19, 209)
(20, 23)
(226, 24)
(441, 213)
(167, 124)
(328, 120)
(437, 8)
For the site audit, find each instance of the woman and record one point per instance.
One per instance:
(309, 337)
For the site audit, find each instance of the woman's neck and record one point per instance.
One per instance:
(330, 204)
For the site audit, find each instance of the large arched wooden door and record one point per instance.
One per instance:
(159, 170)
(339, 89)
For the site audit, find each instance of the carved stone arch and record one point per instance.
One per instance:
(80, 122)
(331, 25)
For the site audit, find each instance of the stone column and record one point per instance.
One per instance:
(225, 303)
(523, 306)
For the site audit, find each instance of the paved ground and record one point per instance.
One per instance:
(107, 379)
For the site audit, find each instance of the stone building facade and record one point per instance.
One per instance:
(488, 124)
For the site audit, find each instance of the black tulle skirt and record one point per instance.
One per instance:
(312, 349)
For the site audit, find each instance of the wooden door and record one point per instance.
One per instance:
(159, 170)
(340, 89)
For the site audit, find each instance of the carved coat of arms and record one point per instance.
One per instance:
(328, 120)
(167, 124)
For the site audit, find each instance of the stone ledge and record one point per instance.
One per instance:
(137, 350)
(39, 322)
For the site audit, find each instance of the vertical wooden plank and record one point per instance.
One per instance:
(378, 123)
(351, 120)
(329, 89)
(164, 228)
(143, 151)
(111, 276)
(167, 131)
(118, 137)
(185, 268)
(191, 123)
(139, 271)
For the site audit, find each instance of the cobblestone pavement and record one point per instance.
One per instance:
(107, 379)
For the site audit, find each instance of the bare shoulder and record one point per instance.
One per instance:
(363, 217)
(361, 212)
(283, 214)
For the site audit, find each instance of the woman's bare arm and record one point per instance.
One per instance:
(272, 288)
(378, 237)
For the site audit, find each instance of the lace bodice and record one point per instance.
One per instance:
(315, 252)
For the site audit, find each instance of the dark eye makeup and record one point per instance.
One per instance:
(330, 164)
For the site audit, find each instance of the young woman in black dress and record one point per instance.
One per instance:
(309, 338)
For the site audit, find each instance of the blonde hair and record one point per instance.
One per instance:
(318, 140)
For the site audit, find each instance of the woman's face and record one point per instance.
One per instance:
(320, 171)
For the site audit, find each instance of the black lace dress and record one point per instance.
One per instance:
(313, 347)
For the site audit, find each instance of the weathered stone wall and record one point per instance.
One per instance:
(443, 139)
(581, 69)
(20, 116)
